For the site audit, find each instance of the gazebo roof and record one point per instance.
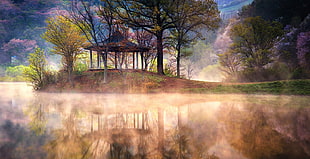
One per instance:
(118, 43)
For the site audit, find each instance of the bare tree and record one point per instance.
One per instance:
(96, 22)
(188, 16)
(149, 15)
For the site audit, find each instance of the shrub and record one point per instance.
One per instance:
(80, 67)
(36, 71)
(15, 71)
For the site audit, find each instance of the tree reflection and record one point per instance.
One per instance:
(68, 142)
(18, 142)
(37, 114)
(192, 138)
(251, 132)
(96, 129)
(133, 135)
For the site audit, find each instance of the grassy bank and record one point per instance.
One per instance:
(290, 87)
(135, 81)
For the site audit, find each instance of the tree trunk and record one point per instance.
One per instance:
(105, 62)
(70, 70)
(160, 53)
(178, 61)
(161, 130)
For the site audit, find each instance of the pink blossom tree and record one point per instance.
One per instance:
(19, 49)
(303, 49)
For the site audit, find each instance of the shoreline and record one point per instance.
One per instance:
(148, 82)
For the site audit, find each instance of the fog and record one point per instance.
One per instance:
(73, 125)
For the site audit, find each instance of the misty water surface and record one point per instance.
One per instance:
(73, 125)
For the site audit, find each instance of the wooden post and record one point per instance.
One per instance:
(134, 120)
(137, 54)
(115, 60)
(91, 58)
(143, 121)
(133, 60)
(141, 54)
(98, 59)
(138, 122)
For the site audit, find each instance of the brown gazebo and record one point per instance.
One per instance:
(118, 47)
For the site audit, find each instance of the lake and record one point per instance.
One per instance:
(137, 126)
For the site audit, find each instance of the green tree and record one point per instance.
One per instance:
(188, 16)
(253, 39)
(67, 39)
(36, 71)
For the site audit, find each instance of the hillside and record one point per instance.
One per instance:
(229, 8)
(130, 81)
(224, 4)
(136, 81)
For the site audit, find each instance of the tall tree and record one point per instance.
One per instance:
(151, 15)
(187, 16)
(253, 39)
(251, 51)
(68, 41)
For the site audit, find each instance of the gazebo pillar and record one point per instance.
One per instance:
(98, 59)
(141, 54)
(133, 60)
(91, 58)
(115, 60)
(137, 54)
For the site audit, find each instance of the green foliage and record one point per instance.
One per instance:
(15, 71)
(67, 39)
(80, 64)
(36, 71)
(292, 87)
(252, 40)
(80, 67)
(251, 51)
(13, 74)
(169, 71)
